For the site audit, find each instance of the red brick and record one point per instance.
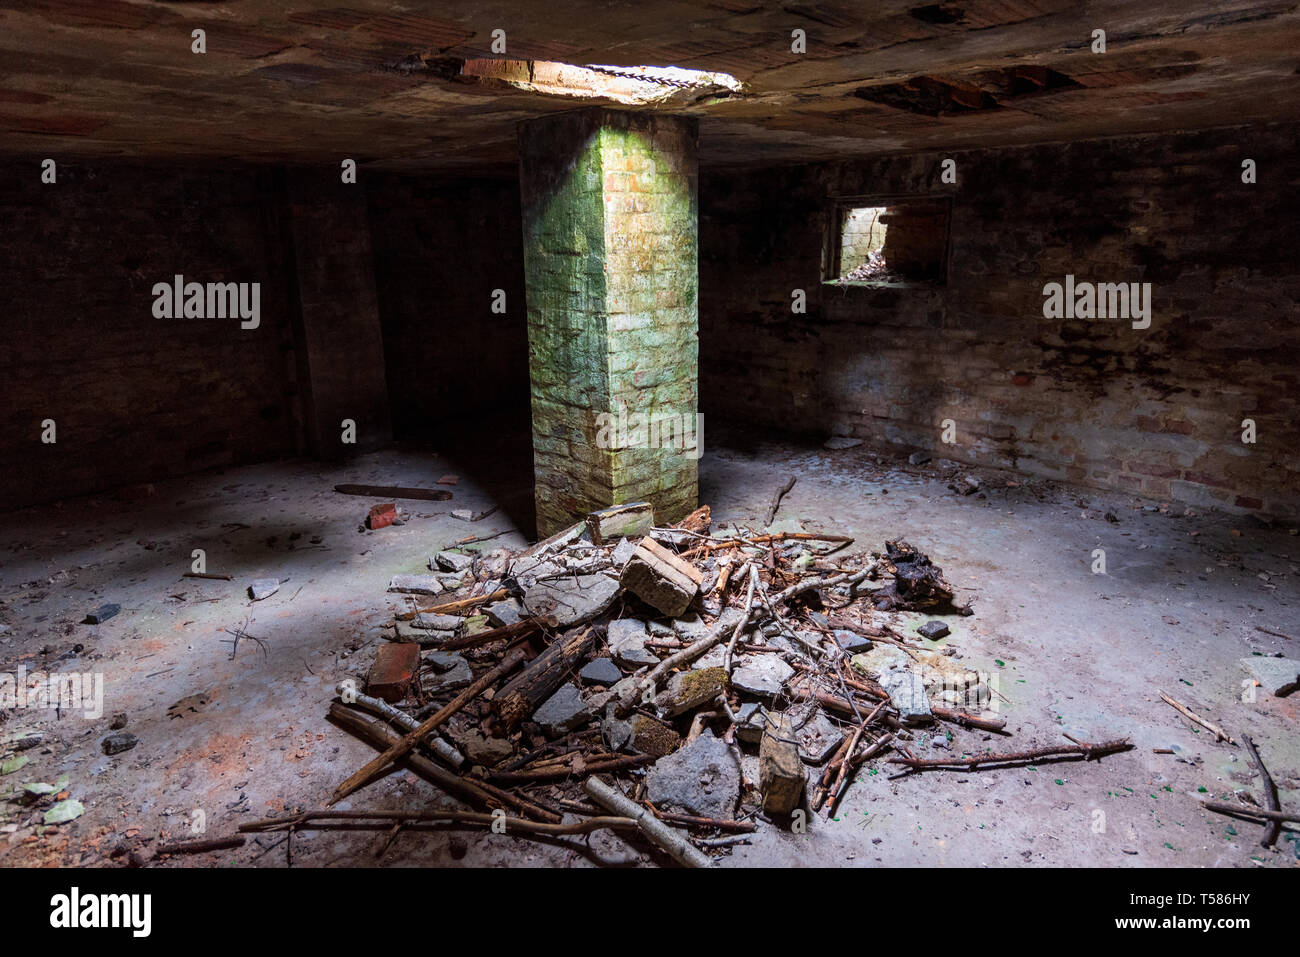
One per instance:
(395, 667)
(381, 516)
(1245, 501)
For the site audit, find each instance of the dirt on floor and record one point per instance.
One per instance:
(230, 733)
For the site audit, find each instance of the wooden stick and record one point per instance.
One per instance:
(1082, 749)
(318, 820)
(395, 491)
(776, 500)
(1255, 812)
(541, 678)
(659, 833)
(967, 720)
(199, 847)
(738, 827)
(560, 773)
(209, 575)
(1272, 831)
(412, 738)
(479, 793)
(777, 537)
(458, 605)
(520, 629)
(379, 706)
(1191, 715)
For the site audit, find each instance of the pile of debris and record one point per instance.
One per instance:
(679, 682)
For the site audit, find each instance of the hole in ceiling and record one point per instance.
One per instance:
(623, 84)
(940, 96)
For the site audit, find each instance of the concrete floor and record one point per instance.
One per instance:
(1074, 653)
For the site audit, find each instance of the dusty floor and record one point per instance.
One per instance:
(1074, 653)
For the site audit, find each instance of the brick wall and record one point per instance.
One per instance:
(609, 216)
(441, 247)
(1092, 401)
(136, 398)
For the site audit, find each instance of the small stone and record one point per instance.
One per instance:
(449, 581)
(563, 712)
(918, 458)
(701, 778)
(660, 629)
(452, 561)
(852, 642)
(502, 613)
(464, 514)
(762, 675)
(933, 629)
(623, 551)
(818, 738)
(1278, 676)
(415, 585)
(752, 719)
(781, 775)
(653, 737)
(475, 625)
(627, 638)
(105, 612)
(480, 749)
(119, 721)
(690, 628)
(690, 689)
(441, 661)
(459, 675)
(601, 671)
(839, 442)
(119, 742)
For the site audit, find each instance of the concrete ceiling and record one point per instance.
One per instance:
(304, 82)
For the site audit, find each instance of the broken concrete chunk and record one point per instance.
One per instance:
(918, 458)
(1278, 676)
(105, 612)
(572, 601)
(781, 775)
(119, 742)
(818, 739)
(690, 689)
(851, 642)
(441, 661)
(879, 660)
(450, 581)
(452, 561)
(459, 675)
(751, 720)
(933, 629)
(563, 712)
(475, 625)
(701, 778)
(502, 613)
(907, 694)
(601, 671)
(432, 622)
(627, 638)
(263, 588)
(661, 579)
(690, 628)
(482, 750)
(415, 585)
(762, 675)
(622, 552)
(621, 521)
(395, 667)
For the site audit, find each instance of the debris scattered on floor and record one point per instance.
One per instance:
(262, 588)
(102, 614)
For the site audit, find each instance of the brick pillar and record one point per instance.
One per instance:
(610, 212)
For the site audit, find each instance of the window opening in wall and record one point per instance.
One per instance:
(888, 244)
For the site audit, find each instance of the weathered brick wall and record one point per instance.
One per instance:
(441, 247)
(1090, 401)
(609, 215)
(135, 398)
(339, 338)
(862, 232)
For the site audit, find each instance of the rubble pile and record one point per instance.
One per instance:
(685, 683)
